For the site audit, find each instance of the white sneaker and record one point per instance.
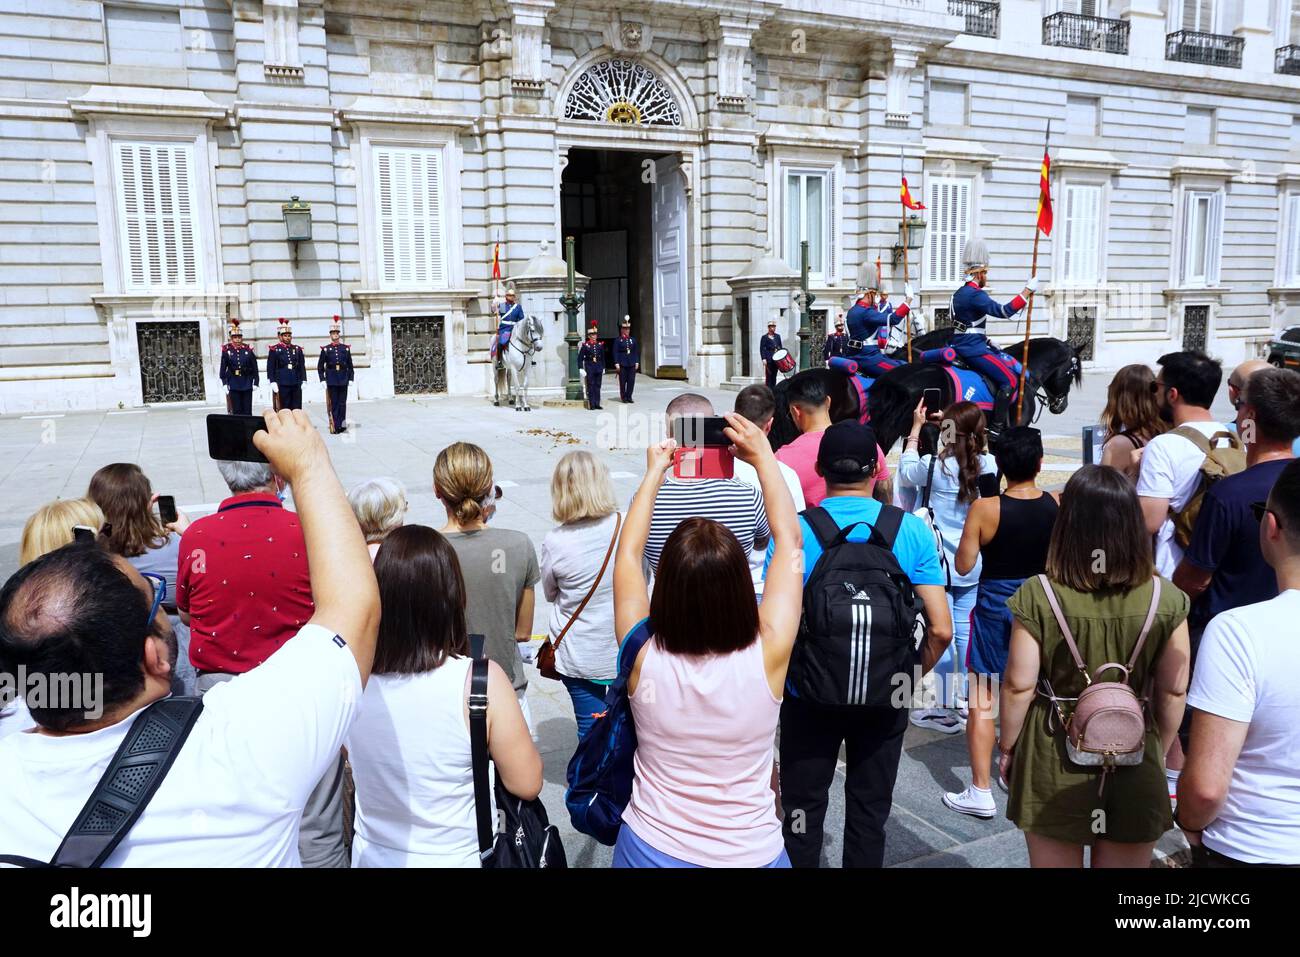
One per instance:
(972, 802)
(941, 721)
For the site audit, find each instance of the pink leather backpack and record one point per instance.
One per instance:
(1107, 727)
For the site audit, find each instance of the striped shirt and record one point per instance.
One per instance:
(734, 503)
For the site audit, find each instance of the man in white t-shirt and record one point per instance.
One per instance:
(758, 404)
(1171, 464)
(235, 794)
(1239, 795)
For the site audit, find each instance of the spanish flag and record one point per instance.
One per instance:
(907, 198)
(1045, 197)
(496, 261)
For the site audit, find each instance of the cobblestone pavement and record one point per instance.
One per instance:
(47, 456)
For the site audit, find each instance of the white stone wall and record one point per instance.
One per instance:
(822, 99)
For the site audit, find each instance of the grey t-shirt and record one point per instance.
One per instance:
(497, 565)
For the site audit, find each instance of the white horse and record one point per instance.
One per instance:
(513, 361)
(898, 332)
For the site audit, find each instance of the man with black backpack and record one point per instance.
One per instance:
(874, 619)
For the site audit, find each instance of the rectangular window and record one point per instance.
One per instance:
(1295, 132)
(410, 217)
(1202, 223)
(947, 104)
(949, 201)
(1200, 125)
(1198, 15)
(142, 36)
(1082, 245)
(154, 183)
(1081, 115)
(808, 212)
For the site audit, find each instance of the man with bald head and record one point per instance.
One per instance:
(235, 793)
(1237, 381)
(732, 502)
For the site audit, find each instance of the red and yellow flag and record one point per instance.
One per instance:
(496, 261)
(1045, 197)
(907, 198)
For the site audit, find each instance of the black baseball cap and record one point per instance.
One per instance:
(847, 454)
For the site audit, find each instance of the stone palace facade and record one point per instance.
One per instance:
(148, 149)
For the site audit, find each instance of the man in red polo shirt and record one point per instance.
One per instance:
(243, 588)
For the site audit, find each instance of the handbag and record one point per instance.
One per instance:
(546, 654)
(527, 840)
(1107, 728)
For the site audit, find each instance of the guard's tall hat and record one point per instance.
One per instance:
(974, 256)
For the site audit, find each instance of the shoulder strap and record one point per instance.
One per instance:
(929, 480)
(888, 522)
(1146, 625)
(128, 784)
(1195, 436)
(613, 540)
(822, 525)
(478, 705)
(1065, 629)
(631, 647)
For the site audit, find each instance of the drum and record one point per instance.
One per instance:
(783, 360)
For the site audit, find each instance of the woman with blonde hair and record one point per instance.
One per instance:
(50, 526)
(578, 581)
(380, 506)
(1131, 417)
(499, 565)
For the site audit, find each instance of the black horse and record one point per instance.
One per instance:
(1053, 367)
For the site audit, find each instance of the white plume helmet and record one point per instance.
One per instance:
(974, 255)
(869, 278)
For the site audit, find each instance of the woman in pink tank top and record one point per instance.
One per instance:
(706, 690)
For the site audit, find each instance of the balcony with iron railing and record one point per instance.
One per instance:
(1082, 32)
(1208, 49)
(1287, 60)
(982, 16)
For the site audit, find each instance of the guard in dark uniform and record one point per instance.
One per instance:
(971, 307)
(286, 370)
(334, 367)
(591, 360)
(238, 372)
(627, 357)
(768, 346)
(837, 343)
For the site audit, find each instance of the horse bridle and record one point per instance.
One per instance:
(532, 343)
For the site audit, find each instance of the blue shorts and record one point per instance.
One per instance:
(631, 851)
(990, 626)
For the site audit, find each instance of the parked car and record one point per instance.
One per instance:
(1284, 351)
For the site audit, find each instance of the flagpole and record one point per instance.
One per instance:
(902, 173)
(1029, 309)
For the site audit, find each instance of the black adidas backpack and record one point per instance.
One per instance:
(861, 625)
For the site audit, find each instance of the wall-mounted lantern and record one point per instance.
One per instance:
(297, 224)
(911, 235)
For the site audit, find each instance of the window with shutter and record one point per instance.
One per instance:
(158, 238)
(409, 217)
(1291, 271)
(1082, 248)
(809, 210)
(1202, 232)
(950, 216)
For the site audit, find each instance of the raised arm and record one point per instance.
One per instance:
(778, 615)
(631, 598)
(342, 579)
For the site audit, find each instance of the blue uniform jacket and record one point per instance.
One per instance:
(591, 356)
(836, 345)
(239, 368)
(768, 345)
(286, 365)
(627, 352)
(334, 367)
(971, 306)
(508, 315)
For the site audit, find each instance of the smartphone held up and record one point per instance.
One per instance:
(703, 449)
(230, 437)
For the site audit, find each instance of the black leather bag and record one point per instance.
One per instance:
(527, 838)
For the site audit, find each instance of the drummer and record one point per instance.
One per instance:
(768, 347)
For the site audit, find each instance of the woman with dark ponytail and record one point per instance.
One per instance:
(953, 479)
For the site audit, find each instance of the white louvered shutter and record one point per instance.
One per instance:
(158, 239)
(408, 206)
(1292, 272)
(1082, 233)
(949, 204)
(1214, 240)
